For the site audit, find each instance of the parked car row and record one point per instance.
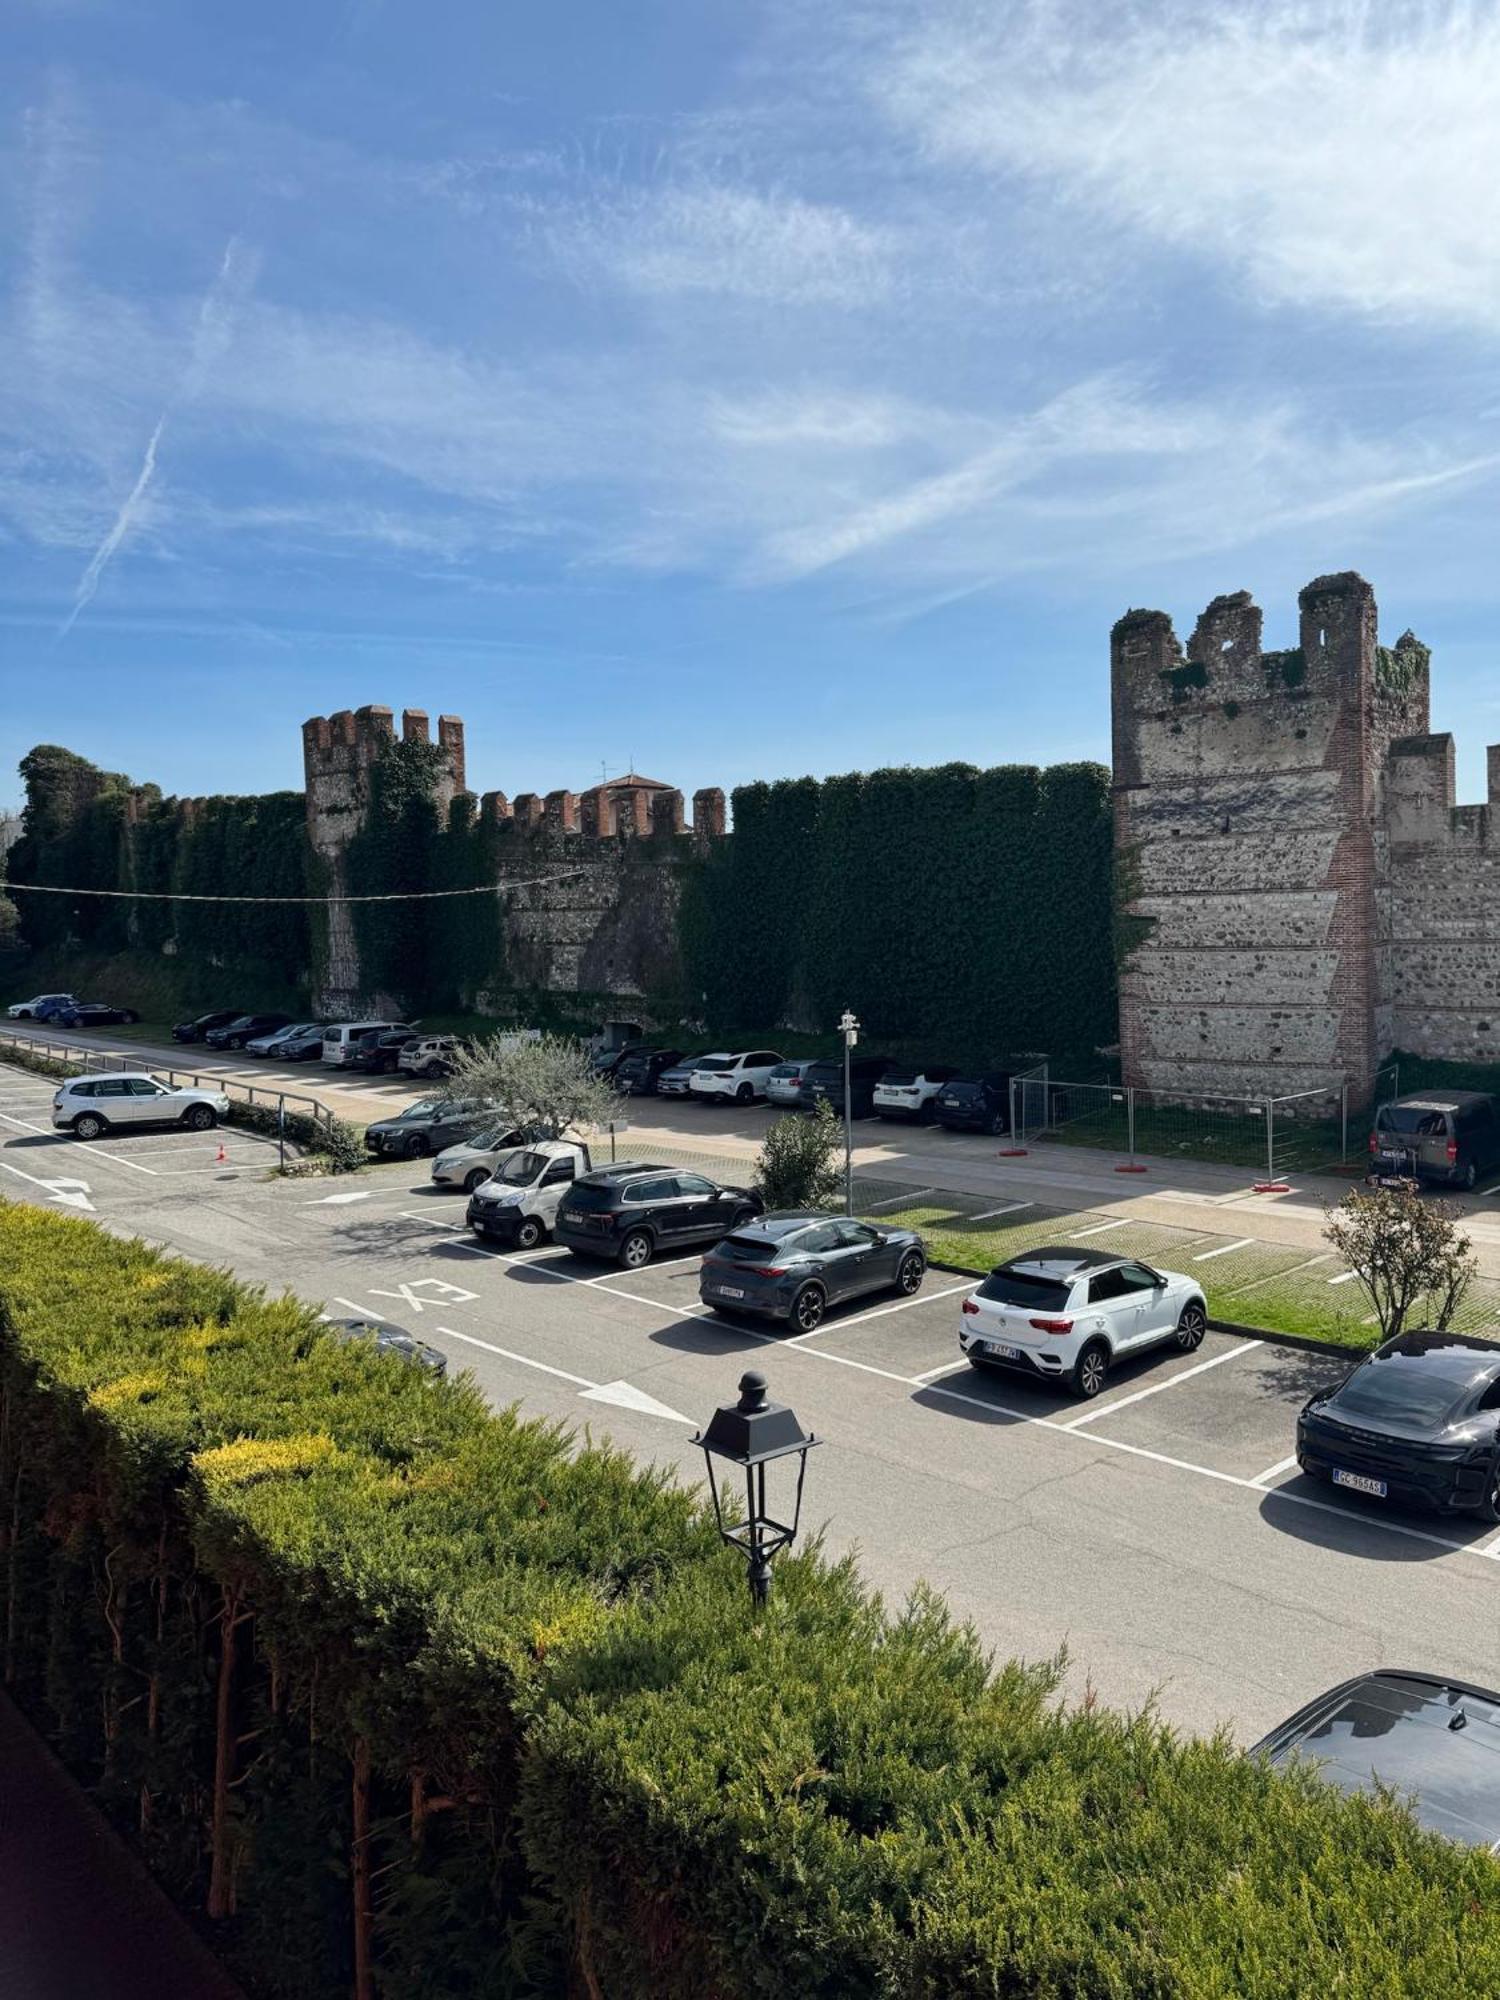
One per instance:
(62, 1010)
(377, 1047)
(879, 1086)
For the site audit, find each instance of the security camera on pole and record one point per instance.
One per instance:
(849, 1029)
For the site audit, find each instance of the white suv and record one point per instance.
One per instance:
(89, 1105)
(1068, 1314)
(740, 1078)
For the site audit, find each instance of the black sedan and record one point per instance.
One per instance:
(388, 1339)
(795, 1263)
(245, 1028)
(1418, 1421)
(95, 1014)
(194, 1031)
(1429, 1739)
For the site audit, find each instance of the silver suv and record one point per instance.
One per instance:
(88, 1106)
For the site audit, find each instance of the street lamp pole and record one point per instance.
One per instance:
(849, 1029)
(750, 1435)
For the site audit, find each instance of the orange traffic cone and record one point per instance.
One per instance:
(222, 1156)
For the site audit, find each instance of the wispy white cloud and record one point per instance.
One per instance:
(209, 335)
(1329, 152)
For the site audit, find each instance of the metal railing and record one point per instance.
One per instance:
(283, 1104)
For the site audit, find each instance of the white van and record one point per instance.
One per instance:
(340, 1041)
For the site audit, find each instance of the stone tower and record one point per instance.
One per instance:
(339, 753)
(1250, 841)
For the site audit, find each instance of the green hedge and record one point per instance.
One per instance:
(967, 912)
(422, 1700)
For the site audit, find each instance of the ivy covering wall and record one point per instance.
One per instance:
(968, 909)
(412, 1700)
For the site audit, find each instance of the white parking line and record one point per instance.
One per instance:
(656, 1264)
(1100, 1228)
(1009, 1208)
(948, 1368)
(879, 1312)
(525, 1360)
(1343, 1278)
(1223, 1250)
(1281, 1465)
(50, 1132)
(1155, 1389)
(898, 1200)
(365, 1312)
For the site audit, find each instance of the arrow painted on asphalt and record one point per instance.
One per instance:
(73, 1194)
(630, 1398)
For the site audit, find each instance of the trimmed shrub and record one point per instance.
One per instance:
(415, 1699)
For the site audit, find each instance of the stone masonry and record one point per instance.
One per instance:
(597, 876)
(1285, 827)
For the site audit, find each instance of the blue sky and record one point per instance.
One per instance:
(735, 389)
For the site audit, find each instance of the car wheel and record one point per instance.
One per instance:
(89, 1126)
(475, 1179)
(198, 1117)
(529, 1234)
(742, 1216)
(1191, 1328)
(909, 1273)
(1470, 1175)
(433, 1069)
(745, 1094)
(807, 1308)
(417, 1147)
(635, 1250)
(996, 1125)
(1090, 1369)
(129, 1017)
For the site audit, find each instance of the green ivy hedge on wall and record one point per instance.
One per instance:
(970, 909)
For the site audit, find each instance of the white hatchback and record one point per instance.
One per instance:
(1070, 1314)
(740, 1078)
(88, 1106)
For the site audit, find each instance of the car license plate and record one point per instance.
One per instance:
(1358, 1483)
(730, 1291)
(1000, 1352)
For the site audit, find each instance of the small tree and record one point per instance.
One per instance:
(547, 1083)
(1407, 1254)
(796, 1168)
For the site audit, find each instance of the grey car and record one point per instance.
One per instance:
(388, 1339)
(795, 1263)
(784, 1084)
(428, 1126)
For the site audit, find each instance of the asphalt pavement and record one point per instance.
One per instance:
(1161, 1534)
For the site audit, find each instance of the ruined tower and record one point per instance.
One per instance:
(1251, 845)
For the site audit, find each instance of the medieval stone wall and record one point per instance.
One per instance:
(1285, 826)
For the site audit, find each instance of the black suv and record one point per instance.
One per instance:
(630, 1211)
(825, 1079)
(636, 1074)
(379, 1052)
(976, 1103)
(244, 1028)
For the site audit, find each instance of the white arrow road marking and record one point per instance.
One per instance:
(594, 1392)
(336, 1200)
(73, 1194)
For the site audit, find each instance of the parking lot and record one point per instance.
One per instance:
(1161, 1533)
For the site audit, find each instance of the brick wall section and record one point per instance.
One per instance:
(619, 851)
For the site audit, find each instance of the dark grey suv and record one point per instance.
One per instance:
(794, 1264)
(630, 1211)
(428, 1126)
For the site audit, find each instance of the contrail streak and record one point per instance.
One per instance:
(208, 335)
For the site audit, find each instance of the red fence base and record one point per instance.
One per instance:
(1133, 1168)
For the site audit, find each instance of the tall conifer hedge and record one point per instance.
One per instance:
(416, 1699)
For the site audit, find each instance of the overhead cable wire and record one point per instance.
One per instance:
(182, 896)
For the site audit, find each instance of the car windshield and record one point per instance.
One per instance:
(748, 1249)
(1412, 1121)
(1025, 1288)
(521, 1169)
(423, 1108)
(493, 1140)
(1407, 1388)
(962, 1086)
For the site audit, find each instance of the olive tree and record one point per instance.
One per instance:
(548, 1083)
(796, 1167)
(1406, 1252)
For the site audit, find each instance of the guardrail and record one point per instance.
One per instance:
(283, 1103)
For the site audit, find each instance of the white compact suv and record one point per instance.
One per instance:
(89, 1105)
(911, 1093)
(740, 1078)
(1070, 1314)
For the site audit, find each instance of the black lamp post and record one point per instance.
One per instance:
(751, 1434)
